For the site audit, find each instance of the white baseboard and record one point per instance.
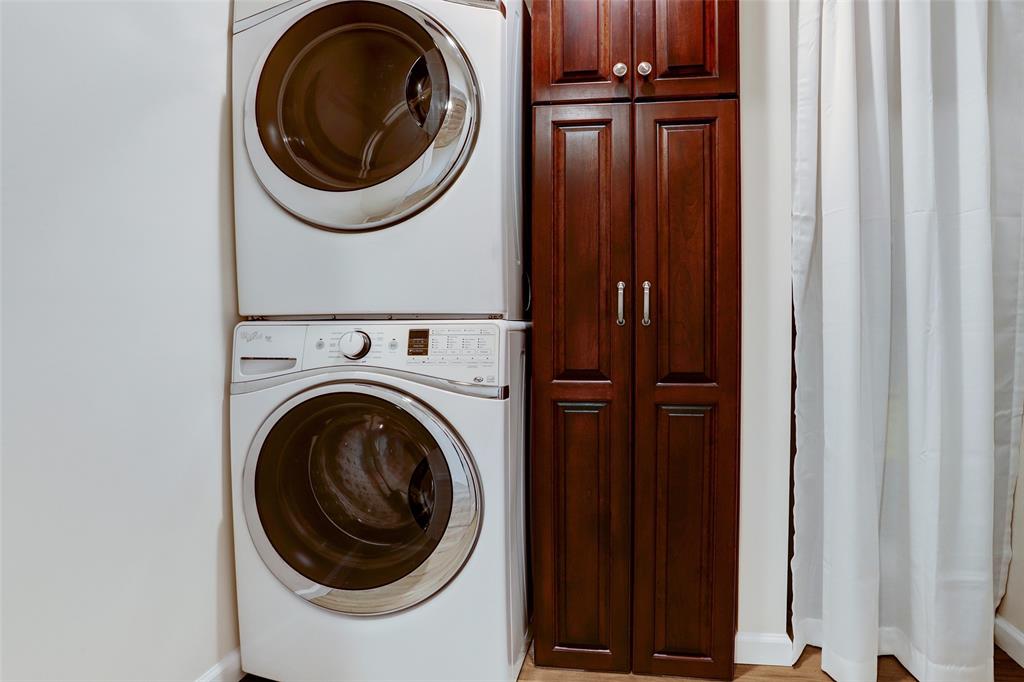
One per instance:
(752, 648)
(764, 648)
(1010, 639)
(227, 669)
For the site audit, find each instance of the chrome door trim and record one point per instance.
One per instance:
(401, 196)
(271, 12)
(462, 388)
(482, 4)
(260, 17)
(436, 571)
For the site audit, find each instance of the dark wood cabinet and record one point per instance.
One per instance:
(686, 409)
(603, 50)
(635, 254)
(690, 44)
(576, 44)
(581, 482)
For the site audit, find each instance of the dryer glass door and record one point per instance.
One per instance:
(364, 110)
(360, 499)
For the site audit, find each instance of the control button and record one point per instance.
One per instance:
(354, 345)
(393, 345)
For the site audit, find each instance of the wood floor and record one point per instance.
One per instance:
(807, 669)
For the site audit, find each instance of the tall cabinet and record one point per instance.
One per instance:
(636, 335)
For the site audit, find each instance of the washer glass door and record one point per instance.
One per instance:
(359, 499)
(360, 114)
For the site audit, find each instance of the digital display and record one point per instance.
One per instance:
(419, 341)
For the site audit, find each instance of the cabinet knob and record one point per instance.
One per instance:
(644, 68)
(620, 69)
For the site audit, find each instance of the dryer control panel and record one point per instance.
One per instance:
(462, 351)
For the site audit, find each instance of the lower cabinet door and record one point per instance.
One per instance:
(580, 461)
(686, 388)
(634, 465)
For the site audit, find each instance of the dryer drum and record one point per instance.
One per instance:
(353, 112)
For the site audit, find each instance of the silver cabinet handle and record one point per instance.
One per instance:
(621, 319)
(647, 305)
(644, 69)
(620, 70)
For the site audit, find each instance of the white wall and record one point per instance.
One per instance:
(767, 332)
(117, 294)
(117, 305)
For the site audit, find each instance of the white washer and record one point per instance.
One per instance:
(378, 492)
(377, 157)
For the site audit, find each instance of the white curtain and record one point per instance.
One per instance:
(908, 287)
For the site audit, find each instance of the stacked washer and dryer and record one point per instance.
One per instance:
(377, 386)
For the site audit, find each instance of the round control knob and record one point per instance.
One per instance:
(354, 345)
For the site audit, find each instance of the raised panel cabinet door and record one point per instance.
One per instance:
(686, 407)
(689, 47)
(576, 47)
(580, 466)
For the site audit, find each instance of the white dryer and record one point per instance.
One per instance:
(378, 492)
(377, 157)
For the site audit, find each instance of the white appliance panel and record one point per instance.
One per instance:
(461, 255)
(473, 629)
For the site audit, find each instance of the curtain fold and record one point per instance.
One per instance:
(908, 191)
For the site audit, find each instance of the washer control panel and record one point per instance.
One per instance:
(458, 346)
(459, 351)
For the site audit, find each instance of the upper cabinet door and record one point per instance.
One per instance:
(684, 48)
(578, 48)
